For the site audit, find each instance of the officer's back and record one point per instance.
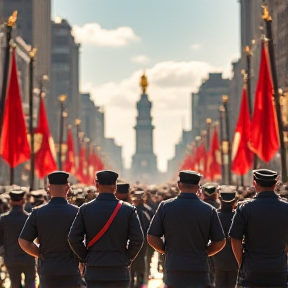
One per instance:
(15, 259)
(50, 223)
(263, 223)
(107, 260)
(187, 224)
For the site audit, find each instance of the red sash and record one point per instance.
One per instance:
(106, 226)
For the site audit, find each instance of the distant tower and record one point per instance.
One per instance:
(144, 162)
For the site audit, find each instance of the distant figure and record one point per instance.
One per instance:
(123, 192)
(211, 195)
(50, 223)
(187, 224)
(107, 255)
(225, 264)
(15, 259)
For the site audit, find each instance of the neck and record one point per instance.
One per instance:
(189, 191)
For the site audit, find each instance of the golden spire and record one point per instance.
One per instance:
(144, 83)
(266, 15)
(12, 19)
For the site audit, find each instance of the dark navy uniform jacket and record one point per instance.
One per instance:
(225, 259)
(51, 223)
(187, 224)
(111, 255)
(11, 224)
(263, 222)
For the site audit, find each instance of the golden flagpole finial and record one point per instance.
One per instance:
(266, 15)
(32, 52)
(144, 83)
(12, 19)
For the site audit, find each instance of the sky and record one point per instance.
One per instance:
(177, 43)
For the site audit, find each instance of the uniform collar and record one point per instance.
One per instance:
(58, 200)
(106, 196)
(17, 208)
(184, 195)
(266, 194)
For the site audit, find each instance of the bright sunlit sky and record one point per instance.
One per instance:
(177, 42)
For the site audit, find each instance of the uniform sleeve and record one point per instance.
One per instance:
(76, 236)
(156, 226)
(216, 230)
(135, 235)
(1, 232)
(238, 225)
(29, 231)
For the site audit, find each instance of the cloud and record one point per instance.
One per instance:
(94, 34)
(170, 86)
(196, 46)
(141, 59)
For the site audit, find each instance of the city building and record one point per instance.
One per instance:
(64, 76)
(279, 12)
(144, 162)
(92, 120)
(209, 99)
(34, 27)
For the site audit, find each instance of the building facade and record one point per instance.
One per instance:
(34, 27)
(144, 162)
(64, 76)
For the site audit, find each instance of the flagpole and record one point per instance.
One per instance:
(32, 55)
(221, 111)
(268, 20)
(63, 114)
(225, 105)
(248, 85)
(208, 123)
(9, 25)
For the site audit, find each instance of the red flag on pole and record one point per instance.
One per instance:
(81, 169)
(214, 158)
(44, 149)
(69, 164)
(201, 160)
(14, 143)
(242, 157)
(264, 137)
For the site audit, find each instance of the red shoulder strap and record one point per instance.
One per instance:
(106, 226)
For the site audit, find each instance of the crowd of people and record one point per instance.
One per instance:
(106, 235)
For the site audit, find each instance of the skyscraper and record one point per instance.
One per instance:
(64, 75)
(144, 162)
(34, 26)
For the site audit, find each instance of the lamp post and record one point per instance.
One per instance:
(77, 123)
(9, 25)
(63, 115)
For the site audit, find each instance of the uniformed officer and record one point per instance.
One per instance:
(15, 259)
(139, 266)
(109, 258)
(123, 192)
(50, 223)
(225, 264)
(211, 194)
(263, 223)
(187, 224)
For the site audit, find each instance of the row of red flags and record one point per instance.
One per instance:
(258, 135)
(15, 148)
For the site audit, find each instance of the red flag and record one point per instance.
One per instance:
(242, 157)
(214, 158)
(45, 150)
(69, 164)
(81, 169)
(14, 143)
(189, 161)
(201, 160)
(264, 138)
